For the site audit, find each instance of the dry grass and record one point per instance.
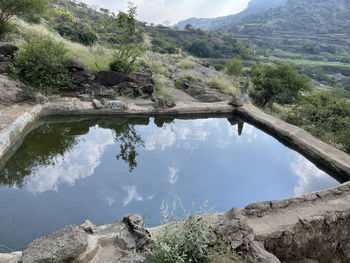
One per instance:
(95, 58)
(225, 84)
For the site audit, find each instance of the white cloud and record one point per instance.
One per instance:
(158, 11)
(133, 195)
(310, 177)
(172, 177)
(76, 164)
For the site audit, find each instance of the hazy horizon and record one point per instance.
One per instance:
(159, 11)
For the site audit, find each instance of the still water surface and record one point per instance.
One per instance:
(102, 169)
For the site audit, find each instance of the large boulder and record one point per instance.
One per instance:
(205, 94)
(110, 78)
(7, 49)
(12, 91)
(74, 65)
(81, 77)
(63, 246)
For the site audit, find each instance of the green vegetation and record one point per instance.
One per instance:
(181, 242)
(159, 88)
(225, 84)
(40, 64)
(281, 84)
(234, 67)
(19, 8)
(187, 78)
(126, 53)
(325, 116)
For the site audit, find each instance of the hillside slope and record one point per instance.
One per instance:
(254, 7)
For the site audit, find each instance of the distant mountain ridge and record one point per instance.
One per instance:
(254, 7)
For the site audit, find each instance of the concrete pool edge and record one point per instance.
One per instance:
(26, 116)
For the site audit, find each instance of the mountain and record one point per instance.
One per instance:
(254, 7)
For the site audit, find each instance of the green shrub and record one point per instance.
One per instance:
(281, 84)
(223, 83)
(20, 8)
(235, 67)
(181, 242)
(39, 63)
(325, 116)
(188, 78)
(159, 87)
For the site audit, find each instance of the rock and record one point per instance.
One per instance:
(114, 104)
(136, 226)
(12, 91)
(141, 77)
(74, 65)
(8, 49)
(236, 102)
(341, 78)
(97, 104)
(256, 251)
(40, 99)
(88, 227)
(205, 94)
(110, 78)
(81, 77)
(162, 103)
(148, 89)
(64, 245)
(4, 67)
(84, 97)
(14, 257)
(104, 92)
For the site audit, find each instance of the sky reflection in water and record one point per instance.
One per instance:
(105, 169)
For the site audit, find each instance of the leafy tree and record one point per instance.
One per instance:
(326, 116)
(40, 64)
(127, 52)
(188, 27)
(234, 67)
(12, 8)
(200, 48)
(280, 84)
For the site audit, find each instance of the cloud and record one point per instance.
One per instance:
(310, 177)
(133, 195)
(76, 164)
(158, 11)
(173, 177)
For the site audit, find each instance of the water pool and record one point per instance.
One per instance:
(101, 169)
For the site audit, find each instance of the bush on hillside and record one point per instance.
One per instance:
(281, 84)
(235, 67)
(20, 8)
(325, 116)
(39, 63)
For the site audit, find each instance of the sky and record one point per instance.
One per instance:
(159, 11)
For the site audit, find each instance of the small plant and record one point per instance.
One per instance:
(186, 78)
(159, 90)
(223, 83)
(39, 63)
(181, 242)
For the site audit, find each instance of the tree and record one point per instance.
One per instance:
(200, 48)
(188, 27)
(127, 51)
(278, 83)
(12, 8)
(234, 67)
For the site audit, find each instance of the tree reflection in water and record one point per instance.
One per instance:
(51, 141)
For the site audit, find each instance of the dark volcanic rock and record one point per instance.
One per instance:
(81, 77)
(110, 78)
(8, 49)
(62, 246)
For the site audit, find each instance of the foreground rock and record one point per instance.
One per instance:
(12, 91)
(61, 246)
